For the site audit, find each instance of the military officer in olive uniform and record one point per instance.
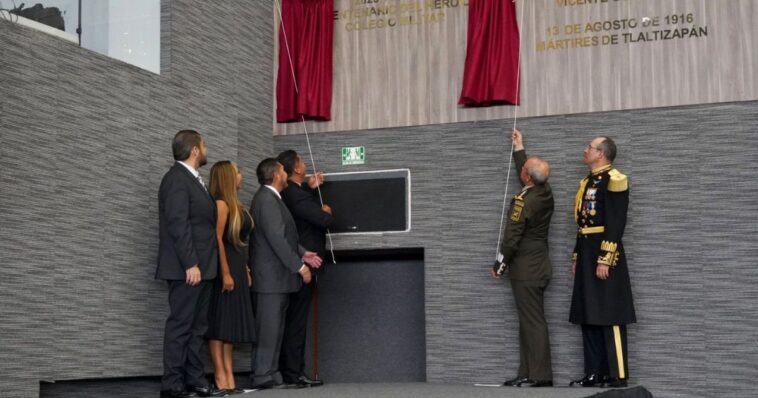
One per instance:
(602, 299)
(524, 252)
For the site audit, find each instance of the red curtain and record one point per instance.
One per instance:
(491, 72)
(309, 28)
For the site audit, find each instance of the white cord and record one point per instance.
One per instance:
(302, 119)
(515, 117)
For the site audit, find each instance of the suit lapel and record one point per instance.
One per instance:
(286, 215)
(195, 182)
(310, 193)
(279, 202)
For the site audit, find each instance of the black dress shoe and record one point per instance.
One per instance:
(207, 391)
(308, 382)
(238, 390)
(592, 380)
(536, 383)
(287, 386)
(177, 393)
(515, 381)
(270, 385)
(614, 382)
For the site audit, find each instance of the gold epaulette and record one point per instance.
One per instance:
(618, 181)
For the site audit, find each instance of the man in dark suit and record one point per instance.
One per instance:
(311, 218)
(187, 261)
(279, 268)
(525, 253)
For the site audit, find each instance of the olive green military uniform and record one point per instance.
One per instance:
(525, 251)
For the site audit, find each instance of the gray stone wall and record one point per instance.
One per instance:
(690, 239)
(84, 142)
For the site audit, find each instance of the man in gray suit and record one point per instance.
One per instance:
(279, 268)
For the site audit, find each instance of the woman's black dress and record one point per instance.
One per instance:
(231, 313)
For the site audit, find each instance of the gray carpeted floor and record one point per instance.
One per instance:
(143, 388)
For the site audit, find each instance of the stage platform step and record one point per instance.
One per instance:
(149, 388)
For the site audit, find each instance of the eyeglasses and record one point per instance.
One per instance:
(592, 147)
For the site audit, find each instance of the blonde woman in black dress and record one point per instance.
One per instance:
(231, 311)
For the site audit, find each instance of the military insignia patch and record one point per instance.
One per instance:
(518, 206)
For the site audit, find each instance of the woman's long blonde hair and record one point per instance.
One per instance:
(223, 186)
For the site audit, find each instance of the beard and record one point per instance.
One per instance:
(202, 161)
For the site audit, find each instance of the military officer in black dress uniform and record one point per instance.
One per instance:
(602, 299)
(524, 251)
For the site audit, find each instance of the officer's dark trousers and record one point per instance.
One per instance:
(292, 357)
(534, 341)
(185, 334)
(605, 350)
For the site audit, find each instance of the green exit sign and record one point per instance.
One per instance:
(353, 155)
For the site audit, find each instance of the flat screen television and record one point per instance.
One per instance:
(369, 201)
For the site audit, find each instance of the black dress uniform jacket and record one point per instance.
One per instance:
(600, 212)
